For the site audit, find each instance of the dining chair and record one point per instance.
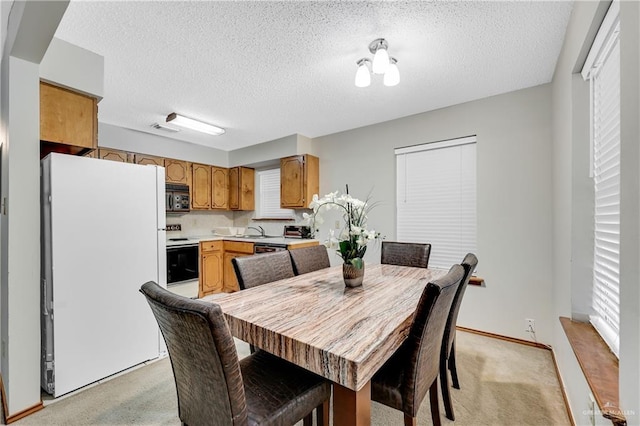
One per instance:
(259, 269)
(448, 351)
(213, 386)
(403, 381)
(405, 254)
(252, 271)
(309, 259)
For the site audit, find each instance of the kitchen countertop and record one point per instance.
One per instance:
(271, 240)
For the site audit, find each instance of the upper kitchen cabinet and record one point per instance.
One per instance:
(177, 171)
(219, 188)
(148, 159)
(299, 180)
(115, 155)
(201, 186)
(67, 118)
(241, 188)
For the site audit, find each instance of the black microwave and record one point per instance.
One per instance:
(177, 200)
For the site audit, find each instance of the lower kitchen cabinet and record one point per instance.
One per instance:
(233, 249)
(211, 268)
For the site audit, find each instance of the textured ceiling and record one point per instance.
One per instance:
(264, 70)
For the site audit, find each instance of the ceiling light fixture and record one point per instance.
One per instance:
(381, 64)
(363, 78)
(196, 125)
(379, 48)
(392, 76)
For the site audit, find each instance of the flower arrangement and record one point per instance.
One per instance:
(352, 239)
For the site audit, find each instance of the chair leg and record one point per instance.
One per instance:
(435, 404)
(446, 394)
(308, 419)
(410, 421)
(322, 414)
(452, 366)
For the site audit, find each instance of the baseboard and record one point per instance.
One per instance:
(535, 345)
(562, 388)
(507, 338)
(24, 413)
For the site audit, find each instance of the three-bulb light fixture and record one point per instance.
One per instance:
(381, 64)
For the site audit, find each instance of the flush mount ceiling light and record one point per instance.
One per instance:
(381, 64)
(196, 125)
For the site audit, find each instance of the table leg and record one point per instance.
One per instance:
(351, 408)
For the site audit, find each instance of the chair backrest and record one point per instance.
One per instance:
(405, 254)
(259, 269)
(424, 342)
(203, 357)
(309, 259)
(469, 264)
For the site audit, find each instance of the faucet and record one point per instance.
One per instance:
(261, 230)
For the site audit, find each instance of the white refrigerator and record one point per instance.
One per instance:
(103, 236)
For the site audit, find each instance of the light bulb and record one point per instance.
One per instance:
(392, 76)
(380, 60)
(363, 78)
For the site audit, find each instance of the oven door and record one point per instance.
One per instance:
(182, 263)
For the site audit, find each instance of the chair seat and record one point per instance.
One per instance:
(278, 392)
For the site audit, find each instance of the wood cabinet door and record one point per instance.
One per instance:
(211, 272)
(114, 155)
(230, 279)
(234, 188)
(177, 171)
(68, 117)
(219, 188)
(148, 159)
(201, 187)
(247, 189)
(292, 182)
(299, 180)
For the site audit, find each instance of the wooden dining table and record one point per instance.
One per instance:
(343, 334)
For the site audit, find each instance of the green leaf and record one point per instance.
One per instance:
(357, 262)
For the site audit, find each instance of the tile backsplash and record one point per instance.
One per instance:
(199, 224)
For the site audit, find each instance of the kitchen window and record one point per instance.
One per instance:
(436, 198)
(268, 203)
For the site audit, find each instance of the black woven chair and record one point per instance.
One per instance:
(412, 371)
(309, 259)
(448, 352)
(252, 271)
(259, 269)
(405, 254)
(214, 387)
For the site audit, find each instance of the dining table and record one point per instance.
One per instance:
(341, 333)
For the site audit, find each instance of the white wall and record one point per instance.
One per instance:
(86, 75)
(573, 204)
(110, 136)
(513, 197)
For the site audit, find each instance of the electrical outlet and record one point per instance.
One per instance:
(592, 410)
(175, 227)
(530, 325)
(337, 224)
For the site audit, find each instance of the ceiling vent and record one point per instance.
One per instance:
(165, 128)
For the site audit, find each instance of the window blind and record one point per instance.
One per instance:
(436, 198)
(604, 76)
(269, 194)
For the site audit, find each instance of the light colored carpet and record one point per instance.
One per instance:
(502, 383)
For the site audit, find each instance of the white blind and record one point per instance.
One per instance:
(604, 75)
(269, 195)
(436, 198)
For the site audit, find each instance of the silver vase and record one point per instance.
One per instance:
(352, 276)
